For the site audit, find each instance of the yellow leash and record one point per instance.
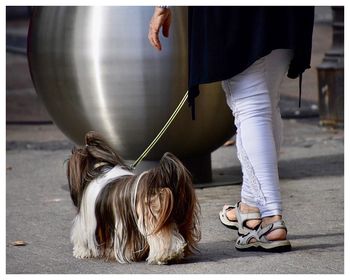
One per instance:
(160, 134)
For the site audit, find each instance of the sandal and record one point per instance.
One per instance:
(262, 243)
(223, 217)
(242, 218)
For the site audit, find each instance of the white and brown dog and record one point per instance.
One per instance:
(152, 216)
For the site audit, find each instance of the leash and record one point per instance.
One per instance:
(162, 131)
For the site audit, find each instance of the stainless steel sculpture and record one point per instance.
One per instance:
(94, 69)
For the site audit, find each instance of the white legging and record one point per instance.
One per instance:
(253, 97)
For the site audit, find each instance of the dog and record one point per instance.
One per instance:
(153, 216)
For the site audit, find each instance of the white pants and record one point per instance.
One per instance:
(253, 97)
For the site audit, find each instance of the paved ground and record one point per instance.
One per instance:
(39, 211)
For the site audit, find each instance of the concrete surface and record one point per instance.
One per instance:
(39, 211)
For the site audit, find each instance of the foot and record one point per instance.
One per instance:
(270, 236)
(277, 234)
(244, 208)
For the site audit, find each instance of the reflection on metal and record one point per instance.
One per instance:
(94, 69)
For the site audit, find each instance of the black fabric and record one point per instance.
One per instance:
(224, 41)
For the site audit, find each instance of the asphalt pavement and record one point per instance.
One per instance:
(39, 211)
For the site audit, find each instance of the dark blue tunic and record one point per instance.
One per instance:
(224, 41)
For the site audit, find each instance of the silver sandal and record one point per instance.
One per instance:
(242, 218)
(261, 242)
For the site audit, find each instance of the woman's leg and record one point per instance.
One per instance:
(256, 151)
(253, 97)
(274, 81)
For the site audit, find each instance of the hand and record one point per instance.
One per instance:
(160, 18)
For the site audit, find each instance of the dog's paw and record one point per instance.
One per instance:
(81, 253)
(168, 256)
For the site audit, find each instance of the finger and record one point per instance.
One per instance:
(153, 34)
(154, 38)
(154, 43)
(150, 39)
(166, 26)
(157, 42)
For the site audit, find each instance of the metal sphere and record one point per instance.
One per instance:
(94, 69)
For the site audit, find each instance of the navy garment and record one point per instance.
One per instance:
(224, 41)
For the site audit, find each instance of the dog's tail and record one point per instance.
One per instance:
(87, 162)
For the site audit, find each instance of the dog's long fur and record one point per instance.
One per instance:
(152, 216)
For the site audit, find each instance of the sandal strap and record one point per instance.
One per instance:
(228, 207)
(244, 217)
(263, 231)
(244, 241)
(246, 238)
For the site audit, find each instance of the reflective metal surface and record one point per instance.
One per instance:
(94, 69)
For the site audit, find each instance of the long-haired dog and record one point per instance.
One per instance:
(152, 216)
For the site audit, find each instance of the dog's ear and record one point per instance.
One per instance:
(162, 207)
(186, 207)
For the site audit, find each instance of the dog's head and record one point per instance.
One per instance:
(167, 202)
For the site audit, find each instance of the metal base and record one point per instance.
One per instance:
(220, 180)
(200, 168)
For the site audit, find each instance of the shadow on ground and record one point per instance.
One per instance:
(331, 165)
(222, 250)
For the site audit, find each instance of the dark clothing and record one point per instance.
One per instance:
(224, 41)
